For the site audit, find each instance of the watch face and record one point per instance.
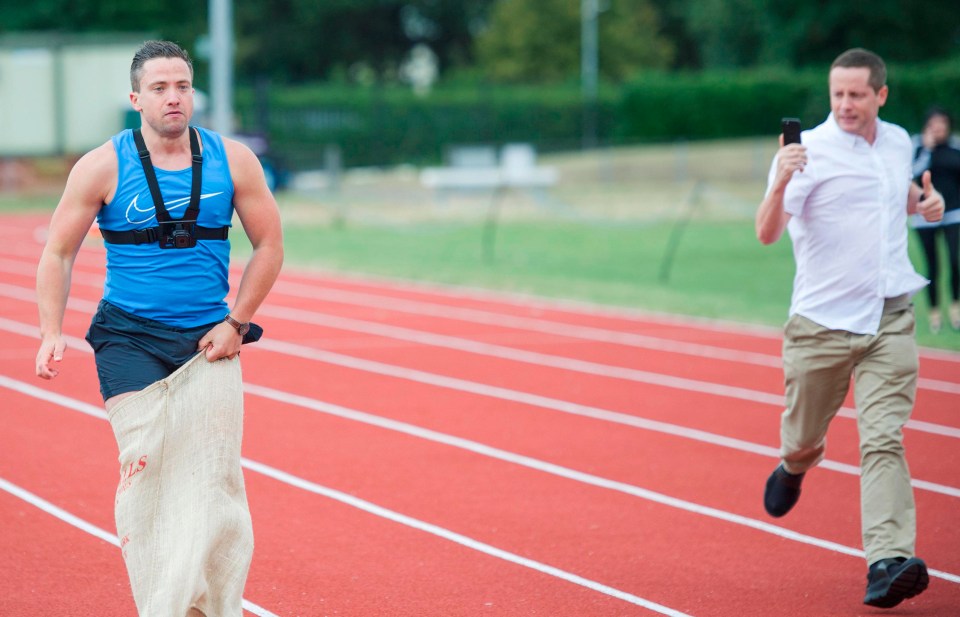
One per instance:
(243, 329)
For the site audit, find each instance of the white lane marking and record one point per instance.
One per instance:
(532, 324)
(508, 353)
(524, 301)
(90, 528)
(579, 307)
(511, 321)
(457, 538)
(355, 502)
(510, 457)
(559, 362)
(535, 400)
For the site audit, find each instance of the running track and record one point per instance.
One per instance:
(421, 451)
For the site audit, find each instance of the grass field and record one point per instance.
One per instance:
(663, 228)
(719, 271)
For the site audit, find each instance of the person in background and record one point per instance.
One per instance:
(936, 150)
(844, 195)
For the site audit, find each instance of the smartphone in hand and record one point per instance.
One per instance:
(791, 130)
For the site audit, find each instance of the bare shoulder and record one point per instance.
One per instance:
(246, 171)
(101, 159)
(95, 174)
(91, 183)
(239, 155)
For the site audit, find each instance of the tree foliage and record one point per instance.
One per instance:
(539, 40)
(288, 40)
(742, 33)
(295, 41)
(180, 20)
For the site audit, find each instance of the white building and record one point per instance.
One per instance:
(63, 94)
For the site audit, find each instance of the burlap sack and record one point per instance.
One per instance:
(181, 508)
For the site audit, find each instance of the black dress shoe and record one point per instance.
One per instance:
(891, 581)
(782, 492)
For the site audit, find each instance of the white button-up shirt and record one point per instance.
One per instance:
(849, 226)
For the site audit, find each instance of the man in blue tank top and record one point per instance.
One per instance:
(159, 291)
(164, 198)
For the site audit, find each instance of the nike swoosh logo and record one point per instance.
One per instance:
(135, 213)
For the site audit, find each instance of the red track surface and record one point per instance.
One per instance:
(423, 451)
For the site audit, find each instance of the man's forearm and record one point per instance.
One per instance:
(53, 288)
(771, 219)
(258, 278)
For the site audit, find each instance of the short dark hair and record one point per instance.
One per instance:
(935, 111)
(859, 57)
(155, 49)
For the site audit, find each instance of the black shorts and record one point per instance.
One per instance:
(133, 352)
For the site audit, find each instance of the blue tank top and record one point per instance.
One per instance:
(183, 288)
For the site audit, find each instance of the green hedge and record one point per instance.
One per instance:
(728, 104)
(391, 125)
(715, 105)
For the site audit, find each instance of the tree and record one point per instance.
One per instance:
(287, 40)
(297, 40)
(518, 40)
(539, 40)
(180, 20)
(739, 33)
(729, 32)
(898, 30)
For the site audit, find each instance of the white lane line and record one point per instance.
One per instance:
(501, 320)
(90, 528)
(680, 383)
(355, 502)
(471, 315)
(26, 294)
(507, 353)
(939, 385)
(457, 538)
(540, 359)
(489, 391)
(524, 398)
(532, 324)
(578, 307)
(531, 463)
(535, 400)
(517, 355)
(559, 362)
(459, 344)
(454, 292)
(654, 379)
(643, 493)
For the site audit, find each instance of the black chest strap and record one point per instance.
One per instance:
(188, 222)
(152, 234)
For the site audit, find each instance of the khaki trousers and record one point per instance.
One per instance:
(818, 364)
(181, 508)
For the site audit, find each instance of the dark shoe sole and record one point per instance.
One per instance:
(911, 579)
(781, 492)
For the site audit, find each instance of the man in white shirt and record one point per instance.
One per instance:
(844, 196)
